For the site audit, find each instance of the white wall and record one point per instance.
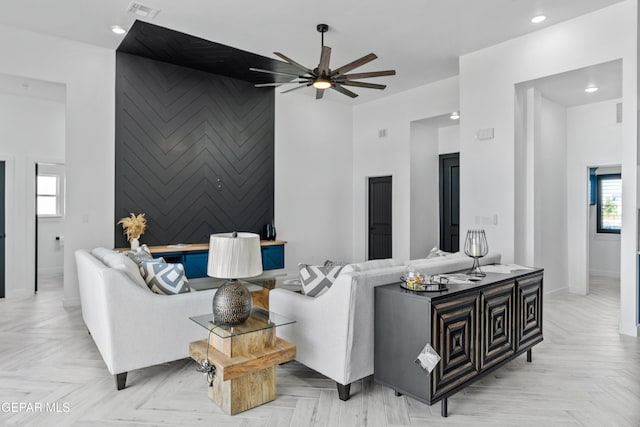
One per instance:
(424, 219)
(313, 179)
(550, 247)
(374, 156)
(31, 130)
(449, 139)
(89, 75)
(487, 99)
(594, 139)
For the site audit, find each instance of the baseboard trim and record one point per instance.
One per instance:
(19, 293)
(555, 292)
(51, 271)
(605, 273)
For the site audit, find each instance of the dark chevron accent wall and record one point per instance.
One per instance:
(194, 151)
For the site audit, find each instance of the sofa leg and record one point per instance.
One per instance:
(121, 380)
(343, 391)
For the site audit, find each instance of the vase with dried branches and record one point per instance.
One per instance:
(133, 226)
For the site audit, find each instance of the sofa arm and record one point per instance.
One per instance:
(145, 328)
(320, 332)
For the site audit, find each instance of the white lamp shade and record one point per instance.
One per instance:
(234, 257)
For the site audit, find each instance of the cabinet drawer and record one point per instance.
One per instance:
(272, 257)
(529, 296)
(454, 337)
(195, 265)
(498, 305)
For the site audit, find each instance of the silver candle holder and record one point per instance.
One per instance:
(475, 246)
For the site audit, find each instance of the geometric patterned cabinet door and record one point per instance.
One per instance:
(498, 306)
(455, 325)
(530, 311)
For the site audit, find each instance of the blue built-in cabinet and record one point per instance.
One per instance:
(195, 257)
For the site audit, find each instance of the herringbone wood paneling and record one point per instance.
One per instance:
(194, 151)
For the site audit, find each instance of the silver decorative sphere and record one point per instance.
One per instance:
(231, 304)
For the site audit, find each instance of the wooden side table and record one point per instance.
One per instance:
(245, 358)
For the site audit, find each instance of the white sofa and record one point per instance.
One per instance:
(334, 332)
(133, 327)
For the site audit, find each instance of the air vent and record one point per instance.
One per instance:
(142, 10)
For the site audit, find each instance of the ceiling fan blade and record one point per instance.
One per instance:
(276, 84)
(296, 88)
(294, 63)
(369, 74)
(344, 91)
(319, 93)
(323, 67)
(278, 73)
(355, 64)
(362, 84)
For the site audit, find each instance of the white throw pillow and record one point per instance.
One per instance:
(119, 261)
(435, 253)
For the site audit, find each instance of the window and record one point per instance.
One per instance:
(609, 203)
(48, 197)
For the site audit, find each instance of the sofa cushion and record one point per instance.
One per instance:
(101, 253)
(163, 278)
(317, 279)
(450, 263)
(372, 265)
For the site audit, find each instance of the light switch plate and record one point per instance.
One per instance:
(484, 134)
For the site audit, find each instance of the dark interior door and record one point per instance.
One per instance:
(2, 231)
(380, 217)
(450, 202)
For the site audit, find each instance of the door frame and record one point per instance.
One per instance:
(32, 224)
(366, 211)
(441, 158)
(10, 259)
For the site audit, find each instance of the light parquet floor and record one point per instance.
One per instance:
(583, 374)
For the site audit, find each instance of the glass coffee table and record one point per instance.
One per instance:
(245, 357)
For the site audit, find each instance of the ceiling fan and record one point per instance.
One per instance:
(322, 77)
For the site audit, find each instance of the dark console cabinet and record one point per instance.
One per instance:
(474, 328)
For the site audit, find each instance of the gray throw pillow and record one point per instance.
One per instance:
(140, 254)
(316, 279)
(163, 278)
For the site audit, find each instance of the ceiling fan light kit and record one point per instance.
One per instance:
(322, 77)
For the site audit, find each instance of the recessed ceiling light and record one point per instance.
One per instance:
(118, 29)
(538, 19)
(454, 116)
(591, 89)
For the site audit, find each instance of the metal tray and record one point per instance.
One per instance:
(426, 287)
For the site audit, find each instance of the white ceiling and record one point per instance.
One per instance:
(421, 39)
(568, 88)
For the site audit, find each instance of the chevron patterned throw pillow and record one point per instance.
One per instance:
(163, 278)
(316, 279)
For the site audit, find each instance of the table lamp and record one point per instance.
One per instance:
(233, 256)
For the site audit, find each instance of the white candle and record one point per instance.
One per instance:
(475, 249)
